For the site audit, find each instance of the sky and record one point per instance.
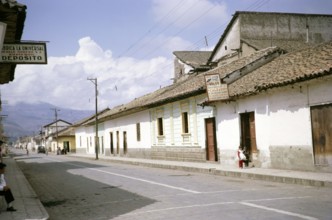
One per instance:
(127, 45)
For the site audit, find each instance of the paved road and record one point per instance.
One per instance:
(74, 188)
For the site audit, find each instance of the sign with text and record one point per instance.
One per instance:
(24, 53)
(215, 89)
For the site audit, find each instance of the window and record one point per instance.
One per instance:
(185, 123)
(160, 126)
(138, 131)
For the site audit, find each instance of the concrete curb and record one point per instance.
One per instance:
(244, 173)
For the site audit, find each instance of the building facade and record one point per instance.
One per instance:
(279, 105)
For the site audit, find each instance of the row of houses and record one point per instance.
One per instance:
(275, 70)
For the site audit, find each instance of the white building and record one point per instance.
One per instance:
(279, 104)
(282, 112)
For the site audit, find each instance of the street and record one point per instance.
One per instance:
(75, 188)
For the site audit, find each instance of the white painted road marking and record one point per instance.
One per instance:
(146, 181)
(130, 177)
(179, 207)
(246, 202)
(279, 211)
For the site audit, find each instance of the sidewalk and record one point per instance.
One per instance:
(26, 201)
(275, 175)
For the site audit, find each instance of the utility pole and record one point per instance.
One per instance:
(94, 81)
(56, 126)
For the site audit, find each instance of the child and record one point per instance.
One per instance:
(242, 158)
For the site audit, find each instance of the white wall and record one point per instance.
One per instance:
(172, 121)
(128, 124)
(86, 134)
(282, 122)
(232, 41)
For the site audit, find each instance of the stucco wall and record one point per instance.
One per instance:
(286, 26)
(128, 124)
(282, 123)
(174, 145)
(83, 136)
(231, 41)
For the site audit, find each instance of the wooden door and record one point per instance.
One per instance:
(111, 143)
(117, 142)
(124, 142)
(321, 122)
(211, 141)
(248, 132)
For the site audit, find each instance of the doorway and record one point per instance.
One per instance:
(124, 142)
(66, 146)
(321, 122)
(248, 133)
(111, 143)
(211, 140)
(117, 142)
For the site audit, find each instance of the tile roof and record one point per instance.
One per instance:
(309, 63)
(287, 69)
(194, 85)
(57, 121)
(68, 131)
(89, 118)
(286, 45)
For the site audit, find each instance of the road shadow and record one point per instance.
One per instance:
(73, 196)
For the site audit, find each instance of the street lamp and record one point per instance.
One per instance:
(94, 81)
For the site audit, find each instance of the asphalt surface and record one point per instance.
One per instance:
(29, 206)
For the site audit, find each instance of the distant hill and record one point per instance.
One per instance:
(23, 119)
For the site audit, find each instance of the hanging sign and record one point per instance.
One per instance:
(24, 53)
(215, 89)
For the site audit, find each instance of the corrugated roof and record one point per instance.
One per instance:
(196, 59)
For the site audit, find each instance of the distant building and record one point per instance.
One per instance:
(52, 133)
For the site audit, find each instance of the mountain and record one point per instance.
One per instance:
(23, 119)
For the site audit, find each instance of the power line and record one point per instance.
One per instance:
(215, 33)
(177, 6)
(183, 29)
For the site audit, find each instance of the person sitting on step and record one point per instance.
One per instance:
(5, 189)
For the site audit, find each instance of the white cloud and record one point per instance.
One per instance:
(64, 80)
